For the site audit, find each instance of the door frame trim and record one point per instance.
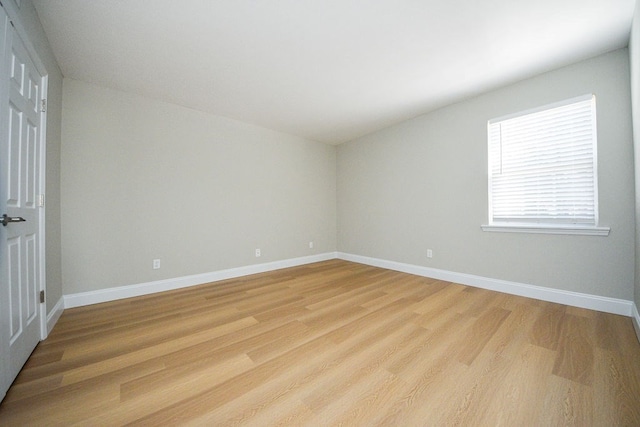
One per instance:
(44, 330)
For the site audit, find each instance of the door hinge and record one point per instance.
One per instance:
(44, 106)
(41, 200)
(41, 297)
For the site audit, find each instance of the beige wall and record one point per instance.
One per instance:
(143, 179)
(634, 54)
(37, 37)
(423, 184)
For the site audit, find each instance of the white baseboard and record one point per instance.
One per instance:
(121, 292)
(636, 320)
(576, 299)
(54, 315)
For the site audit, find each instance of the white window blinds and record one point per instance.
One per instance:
(543, 167)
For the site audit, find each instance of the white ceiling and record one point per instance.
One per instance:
(329, 70)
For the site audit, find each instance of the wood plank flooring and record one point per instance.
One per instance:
(332, 343)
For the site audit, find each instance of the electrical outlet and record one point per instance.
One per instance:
(257, 253)
(429, 253)
(156, 264)
(310, 245)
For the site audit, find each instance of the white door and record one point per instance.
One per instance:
(20, 112)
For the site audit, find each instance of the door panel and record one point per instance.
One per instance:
(13, 183)
(20, 151)
(23, 158)
(7, 251)
(13, 265)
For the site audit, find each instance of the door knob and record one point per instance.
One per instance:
(7, 219)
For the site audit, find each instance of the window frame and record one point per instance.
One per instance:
(546, 227)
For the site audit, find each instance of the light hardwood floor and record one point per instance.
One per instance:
(332, 343)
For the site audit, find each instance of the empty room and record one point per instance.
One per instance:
(398, 213)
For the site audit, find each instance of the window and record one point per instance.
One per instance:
(543, 170)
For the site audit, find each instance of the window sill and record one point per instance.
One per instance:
(547, 229)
